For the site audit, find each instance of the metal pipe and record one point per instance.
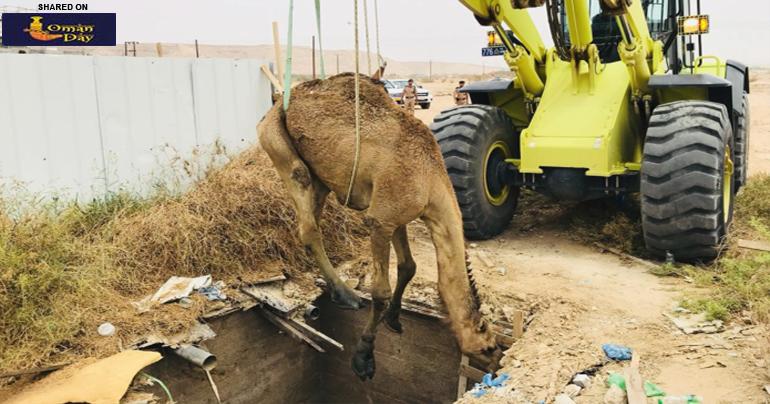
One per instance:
(197, 356)
(312, 312)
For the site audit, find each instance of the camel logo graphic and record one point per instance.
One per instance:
(36, 30)
(58, 29)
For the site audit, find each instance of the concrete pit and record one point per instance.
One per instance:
(259, 364)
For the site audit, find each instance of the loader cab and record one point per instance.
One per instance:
(661, 19)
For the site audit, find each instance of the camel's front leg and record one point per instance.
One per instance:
(363, 359)
(406, 270)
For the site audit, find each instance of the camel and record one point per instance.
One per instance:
(400, 177)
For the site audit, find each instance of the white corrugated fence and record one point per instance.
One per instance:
(83, 126)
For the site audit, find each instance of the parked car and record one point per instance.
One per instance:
(396, 87)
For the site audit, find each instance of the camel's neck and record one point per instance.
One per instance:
(457, 289)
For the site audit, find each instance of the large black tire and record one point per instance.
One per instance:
(687, 187)
(474, 140)
(742, 143)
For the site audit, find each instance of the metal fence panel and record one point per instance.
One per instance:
(85, 125)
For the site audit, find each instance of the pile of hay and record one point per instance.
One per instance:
(65, 270)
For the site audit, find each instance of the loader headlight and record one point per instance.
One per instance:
(694, 25)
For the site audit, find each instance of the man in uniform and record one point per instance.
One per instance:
(409, 97)
(461, 98)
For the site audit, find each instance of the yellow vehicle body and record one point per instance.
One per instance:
(620, 105)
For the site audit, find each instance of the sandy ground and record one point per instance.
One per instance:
(582, 298)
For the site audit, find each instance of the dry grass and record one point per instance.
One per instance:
(65, 270)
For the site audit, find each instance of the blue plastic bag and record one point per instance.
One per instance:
(617, 352)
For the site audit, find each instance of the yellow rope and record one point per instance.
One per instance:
(368, 49)
(358, 109)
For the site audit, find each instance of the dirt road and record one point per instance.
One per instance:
(582, 298)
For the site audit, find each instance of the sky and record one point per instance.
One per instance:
(410, 30)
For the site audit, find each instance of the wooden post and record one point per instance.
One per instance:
(338, 63)
(313, 58)
(197, 51)
(277, 49)
(159, 49)
(430, 70)
(462, 384)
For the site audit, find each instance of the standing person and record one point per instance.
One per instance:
(409, 96)
(461, 98)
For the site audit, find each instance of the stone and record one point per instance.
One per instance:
(563, 399)
(615, 395)
(572, 390)
(582, 380)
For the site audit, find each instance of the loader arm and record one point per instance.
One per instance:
(526, 60)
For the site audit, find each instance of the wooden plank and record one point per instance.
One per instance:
(504, 340)
(634, 383)
(317, 334)
(754, 245)
(517, 324)
(271, 279)
(462, 383)
(471, 373)
(277, 49)
(284, 325)
(272, 78)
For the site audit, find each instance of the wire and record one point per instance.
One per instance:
(358, 108)
(162, 386)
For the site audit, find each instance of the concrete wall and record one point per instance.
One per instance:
(83, 126)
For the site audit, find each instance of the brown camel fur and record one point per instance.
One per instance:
(401, 177)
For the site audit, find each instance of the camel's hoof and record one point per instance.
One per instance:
(345, 298)
(392, 322)
(363, 359)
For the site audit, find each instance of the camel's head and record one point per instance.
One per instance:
(480, 344)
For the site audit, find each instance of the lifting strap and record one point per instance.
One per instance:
(320, 44)
(358, 108)
(287, 72)
(366, 29)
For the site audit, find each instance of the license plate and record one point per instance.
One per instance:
(493, 51)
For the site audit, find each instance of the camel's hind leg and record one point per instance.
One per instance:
(363, 358)
(308, 195)
(406, 271)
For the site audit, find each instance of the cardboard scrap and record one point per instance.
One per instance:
(101, 382)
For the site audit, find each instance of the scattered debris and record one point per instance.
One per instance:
(103, 381)
(754, 245)
(106, 330)
(572, 390)
(681, 400)
(634, 382)
(563, 399)
(175, 288)
(214, 292)
(617, 352)
(615, 395)
(488, 384)
(628, 257)
(696, 324)
(582, 380)
(652, 390)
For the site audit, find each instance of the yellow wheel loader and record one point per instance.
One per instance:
(624, 102)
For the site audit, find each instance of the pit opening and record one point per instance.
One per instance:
(258, 364)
